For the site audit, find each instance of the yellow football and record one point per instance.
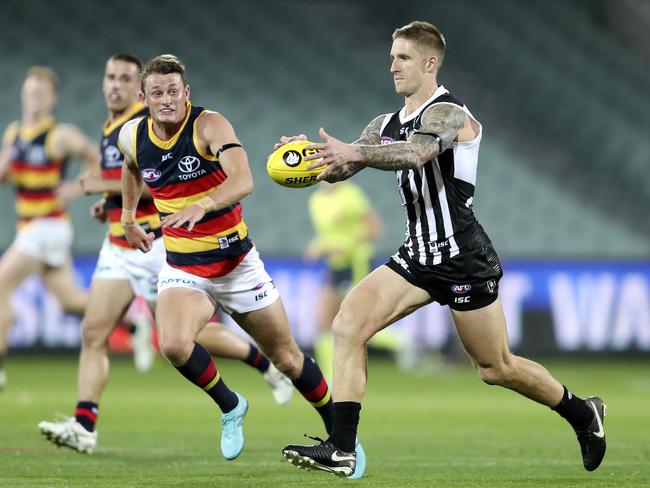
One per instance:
(287, 165)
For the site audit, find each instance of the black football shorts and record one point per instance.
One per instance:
(468, 281)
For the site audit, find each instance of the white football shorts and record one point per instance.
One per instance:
(139, 268)
(246, 288)
(47, 239)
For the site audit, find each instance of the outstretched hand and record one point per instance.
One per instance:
(332, 154)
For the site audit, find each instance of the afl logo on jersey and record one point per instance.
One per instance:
(387, 140)
(112, 157)
(150, 175)
(292, 158)
(188, 164)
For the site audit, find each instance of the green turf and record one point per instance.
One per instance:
(445, 429)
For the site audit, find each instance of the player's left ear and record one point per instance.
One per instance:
(432, 64)
(187, 91)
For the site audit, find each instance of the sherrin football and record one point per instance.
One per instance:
(287, 165)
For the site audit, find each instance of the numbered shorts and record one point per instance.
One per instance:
(468, 281)
(46, 239)
(246, 288)
(138, 268)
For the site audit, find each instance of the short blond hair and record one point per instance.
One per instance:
(163, 65)
(44, 73)
(425, 35)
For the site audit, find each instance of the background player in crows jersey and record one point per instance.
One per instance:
(345, 227)
(432, 144)
(123, 272)
(197, 171)
(34, 153)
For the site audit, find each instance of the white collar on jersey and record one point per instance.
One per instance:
(440, 91)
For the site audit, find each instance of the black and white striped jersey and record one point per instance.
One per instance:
(437, 197)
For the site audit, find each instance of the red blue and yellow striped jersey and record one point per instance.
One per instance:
(178, 174)
(111, 166)
(35, 174)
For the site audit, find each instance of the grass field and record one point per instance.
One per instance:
(444, 429)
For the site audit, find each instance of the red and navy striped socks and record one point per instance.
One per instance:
(201, 370)
(257, 360)
(86, 414)
(312, 385)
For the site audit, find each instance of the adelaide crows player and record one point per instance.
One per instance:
(197, 171)
(122, 272)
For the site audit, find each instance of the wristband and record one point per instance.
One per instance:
(206, 204)
(128, 218)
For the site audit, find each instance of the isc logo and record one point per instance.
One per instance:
(461, 299)
(261, 296)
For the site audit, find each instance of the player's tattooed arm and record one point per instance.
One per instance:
(369, 136)
(443, 120)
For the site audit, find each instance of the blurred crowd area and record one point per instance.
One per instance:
(559, 85)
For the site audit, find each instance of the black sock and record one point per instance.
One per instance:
(201, 370)
(346, 421)
(312, 385)
(575, 410)
(86, 414)
(257, 360)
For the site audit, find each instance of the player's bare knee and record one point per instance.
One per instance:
(289, 362)
(95, 332)
(176, 352)
(348, 329)
(498, 373)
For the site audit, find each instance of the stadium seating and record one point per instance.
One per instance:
(565, 153)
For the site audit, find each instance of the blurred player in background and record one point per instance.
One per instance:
(122, 273)
(35, 151)
(197, 171)
(432, 144)
(345, 225)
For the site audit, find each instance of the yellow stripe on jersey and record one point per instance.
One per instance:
(116, 229)
(130, 112)
(31, 133)
(37, 179)
(177, 204)
(206, 243)
(30, 208)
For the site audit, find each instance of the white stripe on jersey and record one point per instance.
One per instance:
(446, 215)
(431, 220)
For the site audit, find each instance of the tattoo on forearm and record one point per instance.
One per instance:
(390, 157)
(343, 172)
(444, 120)
(371, 134)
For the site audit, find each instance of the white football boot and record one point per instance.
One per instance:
(143, 350)
(280, 385)
(69, 433)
